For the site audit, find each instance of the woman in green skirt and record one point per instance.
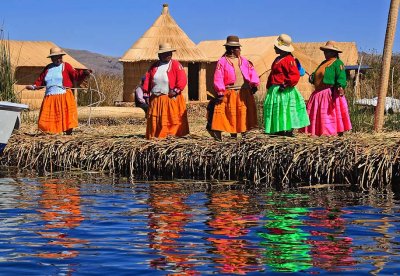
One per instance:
(284, 107)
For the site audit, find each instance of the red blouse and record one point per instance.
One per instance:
(176, 76)
(284, 71)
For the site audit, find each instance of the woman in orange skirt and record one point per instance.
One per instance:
(164, 83)
(235, 81)
(58, 112)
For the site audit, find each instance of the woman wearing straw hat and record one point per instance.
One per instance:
(164, 83)
(327, 106)
(233, 110)
(58, 112)
(284, 107)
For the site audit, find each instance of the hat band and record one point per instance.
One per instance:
(280, 43)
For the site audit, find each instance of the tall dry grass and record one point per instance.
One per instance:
(363, 117)
(110, 85)
(6, 71)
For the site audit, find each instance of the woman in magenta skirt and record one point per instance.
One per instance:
(327, 106)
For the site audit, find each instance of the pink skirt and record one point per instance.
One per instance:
(328, 113)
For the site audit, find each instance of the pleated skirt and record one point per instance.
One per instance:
(284, 110)
(236, 113)
(328, 113)
(167, 116)
(58, 113)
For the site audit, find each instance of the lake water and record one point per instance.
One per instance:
(83, 224)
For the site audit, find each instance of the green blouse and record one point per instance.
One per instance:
(335, 74)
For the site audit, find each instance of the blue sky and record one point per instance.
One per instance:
(110, 27)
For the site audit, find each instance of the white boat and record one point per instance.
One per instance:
(9, 120)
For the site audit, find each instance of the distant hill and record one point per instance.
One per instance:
(97, 62)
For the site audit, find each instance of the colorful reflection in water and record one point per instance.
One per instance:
(168, 217)
(94, 224)
(232, 215)
(331, 248)
(59, 205)
(286, 247)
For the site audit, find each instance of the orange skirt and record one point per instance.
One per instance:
(58, 113)
(167, 116)
(236, 112)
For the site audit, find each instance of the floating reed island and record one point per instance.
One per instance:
(362, 161)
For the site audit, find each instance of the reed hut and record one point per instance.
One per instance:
(311, 49)
(349, 56)
(28, 58)
(260, 51)
(137, 59)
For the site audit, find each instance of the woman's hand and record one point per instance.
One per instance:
(340, 91)
(173, 92)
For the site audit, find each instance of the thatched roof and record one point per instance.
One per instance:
(259, 50)
(164, 30)
(349, 55)
(34, 54)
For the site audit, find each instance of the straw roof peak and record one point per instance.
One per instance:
(164, 30)
(165, 9)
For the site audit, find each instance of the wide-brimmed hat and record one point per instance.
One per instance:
(330, 46)
(164, 48)
(56, 51)
(232, 40)
(284, 43)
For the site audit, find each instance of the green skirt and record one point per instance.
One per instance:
(284, 110)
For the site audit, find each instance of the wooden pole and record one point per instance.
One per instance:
(385, 69)
(202, 82)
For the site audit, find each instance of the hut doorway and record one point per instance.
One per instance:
(193, 81)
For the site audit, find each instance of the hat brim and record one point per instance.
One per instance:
(53, 55)
(233, 44)
(166, 51)
(323, 48)
(284, 48)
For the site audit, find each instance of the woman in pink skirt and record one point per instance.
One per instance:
(327, 106)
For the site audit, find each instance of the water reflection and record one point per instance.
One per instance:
(107, 226)
(59, 206)
(286, 247)
(168, 217)
(331, 248)
(233, 214)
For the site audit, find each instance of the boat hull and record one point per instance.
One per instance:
(9, 120)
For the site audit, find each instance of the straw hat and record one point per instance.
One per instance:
(284, 43)
(164, 48)
(232, 40)
(330, 46)
(56, 51)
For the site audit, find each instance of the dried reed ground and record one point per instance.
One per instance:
(117, 145)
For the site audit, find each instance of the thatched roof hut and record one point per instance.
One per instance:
(143, 53)
(260, 51)
(311, 49)
(28, 58)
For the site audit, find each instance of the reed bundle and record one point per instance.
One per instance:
(364, 161)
